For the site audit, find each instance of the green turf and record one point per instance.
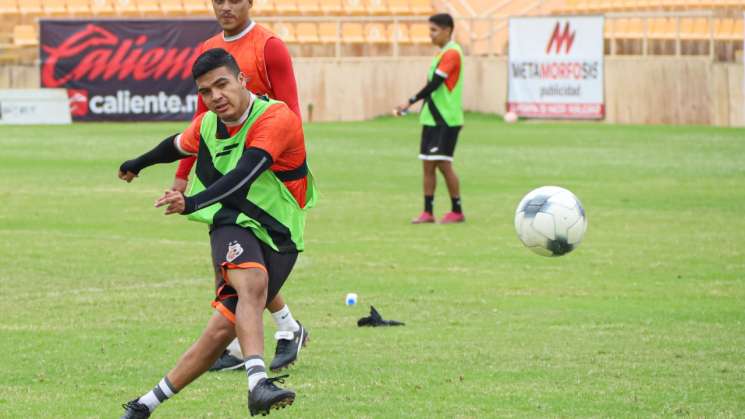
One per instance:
(100, 293)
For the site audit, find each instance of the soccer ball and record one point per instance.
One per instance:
(510, 117)
(550, 221)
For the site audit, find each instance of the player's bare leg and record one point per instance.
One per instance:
(290, 336)
(203, 353)
(429, 182)
(251, 286)
(453, 183)
(193, 363)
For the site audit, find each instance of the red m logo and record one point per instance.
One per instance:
(560, 39)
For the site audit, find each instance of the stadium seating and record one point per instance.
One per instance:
(307, 33)
(25, 36)
(79, 7)
(172, 7)
(8, 8)
(352, 33)
(328, 32)
(308, 7)
(31, 7)
(198, 7)
(55, 7)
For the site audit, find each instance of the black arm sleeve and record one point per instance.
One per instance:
(436, 81)
(233, 186)
(165, 152)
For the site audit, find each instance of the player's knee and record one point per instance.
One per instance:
(249, 282)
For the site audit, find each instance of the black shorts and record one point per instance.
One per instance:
(438, 142)
(235, 247)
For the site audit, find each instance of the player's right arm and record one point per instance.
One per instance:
(175, 147)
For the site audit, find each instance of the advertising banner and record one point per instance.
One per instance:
(124, 70)
(556, 67)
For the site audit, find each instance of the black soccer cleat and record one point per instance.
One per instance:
(133, 409)
(227, 362)
(288, 347)
(266, 396)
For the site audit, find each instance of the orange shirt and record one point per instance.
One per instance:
(449, 67)
(278, 131)
(248, 51)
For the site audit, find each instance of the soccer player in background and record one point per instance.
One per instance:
(250, 157)
(265, 61)
(441, 118)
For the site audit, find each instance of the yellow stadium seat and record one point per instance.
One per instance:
(724, 29)
(609, 27)
(352, 33)
(354, 7)
(421, 7)
(419, 33)
(332, 7)
(376, 33)
(309, 7)
(306, 33)
(738, 30)
(399, 32)
(126, 7)
(54, 7)
(635, 28)
(657, 28)
(198, 7)
(102, 7)
(285, 31)
(261, 8)
(285, 7)
(172, 7)
(25, 35)
(399, 7)
(30, 7)
(9, 7)
(694, 28)
(148, 7)
(78, 7)
(328, 32)
(377, 7)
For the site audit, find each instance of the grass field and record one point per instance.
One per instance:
(100, 293)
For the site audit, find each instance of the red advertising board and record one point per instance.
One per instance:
(124, 70)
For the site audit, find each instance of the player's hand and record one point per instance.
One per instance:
(174, 200)
(179, 185)
(127, 176)
(402, 109)
(128, 171)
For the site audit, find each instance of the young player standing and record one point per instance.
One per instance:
(441, 118)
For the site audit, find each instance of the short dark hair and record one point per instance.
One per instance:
(443, 20)
(212, 59)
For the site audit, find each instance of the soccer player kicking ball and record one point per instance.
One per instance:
(265, 61)
(441, 118)
(248, 149)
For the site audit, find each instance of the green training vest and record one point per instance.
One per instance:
(448, 103)
(270, 210)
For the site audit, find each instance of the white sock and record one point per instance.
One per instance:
(256, 370)
(284, 320)
(160, 393)
(234, 348)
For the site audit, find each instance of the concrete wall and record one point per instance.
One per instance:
(638, 90)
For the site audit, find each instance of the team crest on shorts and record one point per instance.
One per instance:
(234, 250)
